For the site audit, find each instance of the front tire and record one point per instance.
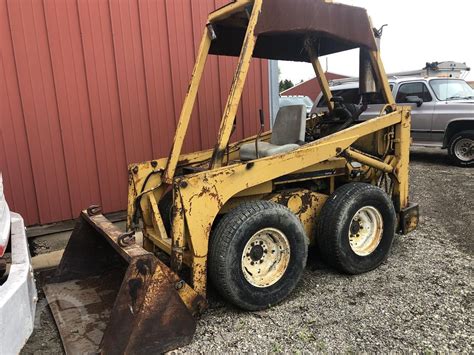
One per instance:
(461, 149)
(257, 254)
(356, 228)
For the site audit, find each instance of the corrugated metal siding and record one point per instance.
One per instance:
(88, 86)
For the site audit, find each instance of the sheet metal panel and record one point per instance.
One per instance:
(40, 110)
(70, 89)
(89, 86)
(131, 79)
(14, 153)
(106, 116)
(157, 66)
(180, 34)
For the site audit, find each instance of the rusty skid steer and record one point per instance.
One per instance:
(244, 213)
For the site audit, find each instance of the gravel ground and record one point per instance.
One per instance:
(419, 300)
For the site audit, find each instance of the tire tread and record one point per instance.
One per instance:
(328, 222)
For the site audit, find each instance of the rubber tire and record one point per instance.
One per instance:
(227, 244)
(333, 224)
(165, 206)
(452, 143)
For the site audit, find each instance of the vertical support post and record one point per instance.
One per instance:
(381, 76)
(380, 73)
(187, 109)
(274, 90)
(402, 153)
(322, 80)
(177, 234)
(235, 94)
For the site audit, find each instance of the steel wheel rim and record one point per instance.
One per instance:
(464, 149)
(365, 231)
(265, 257)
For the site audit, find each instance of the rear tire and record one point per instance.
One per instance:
(461, 149)
(257, 254)
(356, 227)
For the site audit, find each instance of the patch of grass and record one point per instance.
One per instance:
(321, 346)
(276, 348)
(306, 336)
(239, 324)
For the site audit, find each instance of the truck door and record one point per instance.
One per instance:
(454, 102)
(422, 115)
(374, 106)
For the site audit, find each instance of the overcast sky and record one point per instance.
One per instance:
(418, 31)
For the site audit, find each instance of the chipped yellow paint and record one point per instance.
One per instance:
(223, 181)
(306, 205)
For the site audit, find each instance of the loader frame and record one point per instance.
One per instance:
(110, 294)
(200, 196)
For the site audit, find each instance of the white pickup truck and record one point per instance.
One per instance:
(442, 111)
(18, 295)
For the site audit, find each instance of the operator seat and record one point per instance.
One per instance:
(288, 134)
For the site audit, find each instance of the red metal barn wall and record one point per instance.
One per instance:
(89, 86)
(310, 87)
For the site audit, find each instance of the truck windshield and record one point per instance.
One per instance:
(449, 89)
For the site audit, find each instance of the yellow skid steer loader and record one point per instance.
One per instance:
(244, 213)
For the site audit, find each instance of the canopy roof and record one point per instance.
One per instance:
(284, 26)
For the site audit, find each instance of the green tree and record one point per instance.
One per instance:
(286, 84)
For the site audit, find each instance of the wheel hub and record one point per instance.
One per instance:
(265, 257)
(355, 227)
(365, 231)
(464, 149)
(256, 252)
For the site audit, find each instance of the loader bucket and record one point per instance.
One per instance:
(110, 295)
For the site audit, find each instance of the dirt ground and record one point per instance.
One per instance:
(419, 300)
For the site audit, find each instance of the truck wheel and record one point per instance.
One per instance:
(356, 227)
(257, 254)
(461, 148)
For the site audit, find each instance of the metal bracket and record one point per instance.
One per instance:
(126, 239)
(94, 210)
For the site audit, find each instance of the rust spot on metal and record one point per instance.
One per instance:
(409, 218)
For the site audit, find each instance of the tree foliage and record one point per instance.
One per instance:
(286, 84)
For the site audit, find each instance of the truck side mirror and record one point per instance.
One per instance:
(414, 100)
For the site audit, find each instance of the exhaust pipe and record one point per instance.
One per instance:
(367, 81)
